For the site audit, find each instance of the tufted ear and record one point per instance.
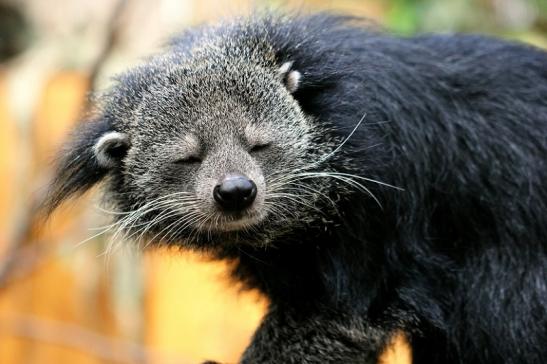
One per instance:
(92, 151)
(110, 148)
(291, 78)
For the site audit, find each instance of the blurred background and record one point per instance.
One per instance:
(62, 300)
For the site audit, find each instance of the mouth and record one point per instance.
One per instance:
(234, 222)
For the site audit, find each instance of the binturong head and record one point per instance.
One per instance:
(201, 148)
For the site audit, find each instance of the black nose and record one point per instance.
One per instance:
(235, 192)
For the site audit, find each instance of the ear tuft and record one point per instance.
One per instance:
(110, 149)
(291, 78)
(88, 156)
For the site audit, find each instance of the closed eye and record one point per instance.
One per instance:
(259, 147)
(188, 160)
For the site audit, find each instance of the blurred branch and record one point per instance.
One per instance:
(78, 338)
(20, 261)
(114, 27)
(21, 254)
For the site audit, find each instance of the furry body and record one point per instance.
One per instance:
(455, 256)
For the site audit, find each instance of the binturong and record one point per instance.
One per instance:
(367, 184)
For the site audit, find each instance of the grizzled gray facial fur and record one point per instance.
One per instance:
(172, 130)
(184, 143)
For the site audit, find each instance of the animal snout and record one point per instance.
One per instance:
(235, 192)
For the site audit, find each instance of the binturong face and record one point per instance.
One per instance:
(199, 154)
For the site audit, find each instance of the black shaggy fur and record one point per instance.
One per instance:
(457, 258)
